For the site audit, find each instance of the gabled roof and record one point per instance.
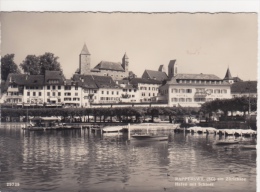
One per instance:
(144, 81)
(244, 87)
(85, 50)
(237, 79)
(24, 79)
(54, 75)
(108, 65)
(228, 75)
(156, 75)
(95, 81)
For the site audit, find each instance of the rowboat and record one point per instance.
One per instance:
(147, 137)
(112, 129)
(226, 142)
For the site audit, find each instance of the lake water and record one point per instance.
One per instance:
(75, 160)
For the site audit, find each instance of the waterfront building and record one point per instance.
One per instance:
(116, 70)
(130, 93)
(147, 88)
(191, 90)
(72, 94)
(54, 88)
(98, 89)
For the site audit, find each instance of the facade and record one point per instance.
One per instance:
(191, 90)
(116, 70)
(130, 94)
(147, 88)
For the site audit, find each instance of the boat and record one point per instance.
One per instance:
(112, 129)
(43, 123)
(226, 142)
(148, 137)
(248, 147)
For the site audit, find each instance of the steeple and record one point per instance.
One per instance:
(228, 75)
(84, 50)
(125, 56)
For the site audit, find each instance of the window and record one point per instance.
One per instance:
(48, 93)
(108, 92)
(153, 94)
(182, 90)
(34, 94)
(174, 99)
(134, 90)
(76, 94)
(40, 93)
(67, 88)
(117, 92)
(188, 99)
(95, 91)
(53, 93)
(59, 94)
(28, 93)
(59, 87)
(188, 90)
(48, 100)
(59, 100)
(175, 91)
(48, 87)
(199, 99)
(102, 92)
(53, 87)
(182, 99)
(112, 92)
(149, 88)
(224, 91)
(76, 88)
(216, 91)
(149, 94)
(130, 90)
(133, 95)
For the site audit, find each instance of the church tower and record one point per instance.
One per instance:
(172, 69)
(84, 61)
(228, 78)
(125, 63)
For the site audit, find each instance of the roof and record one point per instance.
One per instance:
(157, 75)
(237, 79)
(95, 81)
(54, 75)
(200, 76)
(125, 56)
(24, 79)
(228, 75)
(144, 81)
(85, 50)
(108, 65)
(244, 87)
(123, 81)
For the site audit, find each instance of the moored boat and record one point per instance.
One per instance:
(226, 142)
(112, 129)
(248, 147)
(147, 137)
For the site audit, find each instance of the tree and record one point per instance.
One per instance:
(8, 66)
(31, 65)
(49, 62)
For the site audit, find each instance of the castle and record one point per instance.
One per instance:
(116, 70)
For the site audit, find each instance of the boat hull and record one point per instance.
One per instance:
(150, 138)
(226, 142)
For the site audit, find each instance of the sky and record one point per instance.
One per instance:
(200, 43)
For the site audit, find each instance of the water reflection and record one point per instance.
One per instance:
(76, 160)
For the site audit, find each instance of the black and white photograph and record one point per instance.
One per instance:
(134, 101)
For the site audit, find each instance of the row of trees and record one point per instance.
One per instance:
(235, 104)
(32, 64)
(101, 113)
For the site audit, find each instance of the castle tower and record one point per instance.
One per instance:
(228, 78)
(172, 69)
(125, 63)
(84, 61)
